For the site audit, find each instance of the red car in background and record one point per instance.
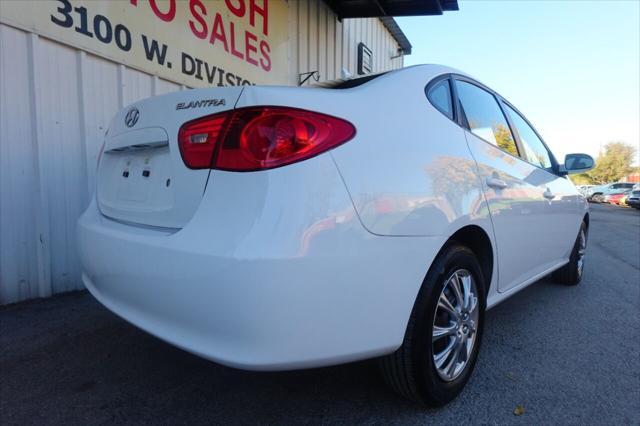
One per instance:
(615, 198)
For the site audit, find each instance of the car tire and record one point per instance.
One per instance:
(571, 273)
(412, 369)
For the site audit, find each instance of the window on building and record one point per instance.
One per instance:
(365, 59)
(440, 96)
(484, 116)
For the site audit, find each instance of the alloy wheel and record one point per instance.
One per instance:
(582, 249)
(455, 324)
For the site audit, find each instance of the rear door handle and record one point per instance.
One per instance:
(548, 194)
(496, 183)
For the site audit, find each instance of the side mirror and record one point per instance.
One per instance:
(577, 163)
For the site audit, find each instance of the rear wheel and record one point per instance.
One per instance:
(571, 273)
(444, 333)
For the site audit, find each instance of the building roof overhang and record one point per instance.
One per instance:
(387, 9)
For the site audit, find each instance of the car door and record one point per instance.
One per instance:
(514, 189)
(564, 214)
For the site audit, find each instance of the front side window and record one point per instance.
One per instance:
(534, 150)
(440, 96)
(484, 116)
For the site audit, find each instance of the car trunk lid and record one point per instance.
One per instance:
(141, 177)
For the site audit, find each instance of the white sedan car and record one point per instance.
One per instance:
(274, 228)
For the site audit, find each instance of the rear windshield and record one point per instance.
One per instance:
(622, 185)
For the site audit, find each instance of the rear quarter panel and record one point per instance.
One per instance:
(409, 170)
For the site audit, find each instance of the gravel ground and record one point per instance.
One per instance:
(566, 355)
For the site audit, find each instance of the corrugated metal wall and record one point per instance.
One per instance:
(55, 105)
(327, 45)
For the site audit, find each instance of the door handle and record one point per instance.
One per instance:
(496, 183)
(548, 194)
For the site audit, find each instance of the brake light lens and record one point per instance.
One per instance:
(197, 140)
(260, 138)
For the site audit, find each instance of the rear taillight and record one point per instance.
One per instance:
(197, 140)
(259, 138)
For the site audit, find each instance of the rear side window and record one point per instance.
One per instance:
(483, 116)
(440, 96)
(622, 185)
(534, 150)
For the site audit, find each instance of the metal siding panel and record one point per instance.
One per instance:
(165, 86)
(392, 47)
(369, 40)
(331, 45)
(375, 45)
(373, 42)
(377, 41)
(100, 104)
(313, 35)
(303, 36)
(398, 62)
(360, 37)
(338, 49)
(18, 179)
(386, 48)
(42, 224)
(136, 85)
(56, 103)
(352, 29)
(345, 46)
(382, 52)
(64, 169)
(352, 35)
(294, 67)
(322, 41)
(360, 25)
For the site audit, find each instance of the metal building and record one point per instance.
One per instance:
(66, 66)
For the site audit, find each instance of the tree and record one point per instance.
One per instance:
(613, 163)
(581, 179)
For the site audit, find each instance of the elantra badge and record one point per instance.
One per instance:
(202, 103)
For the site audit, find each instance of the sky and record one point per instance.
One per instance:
(572, 67)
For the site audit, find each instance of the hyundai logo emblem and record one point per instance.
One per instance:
(132, 117)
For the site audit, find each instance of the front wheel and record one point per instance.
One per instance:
(571, 273)
(444, 332)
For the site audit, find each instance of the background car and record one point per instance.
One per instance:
(584, 189)
(623, 199)
(633, 200)
(597, 193)
(616, 197)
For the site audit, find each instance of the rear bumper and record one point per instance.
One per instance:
(279, 275)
